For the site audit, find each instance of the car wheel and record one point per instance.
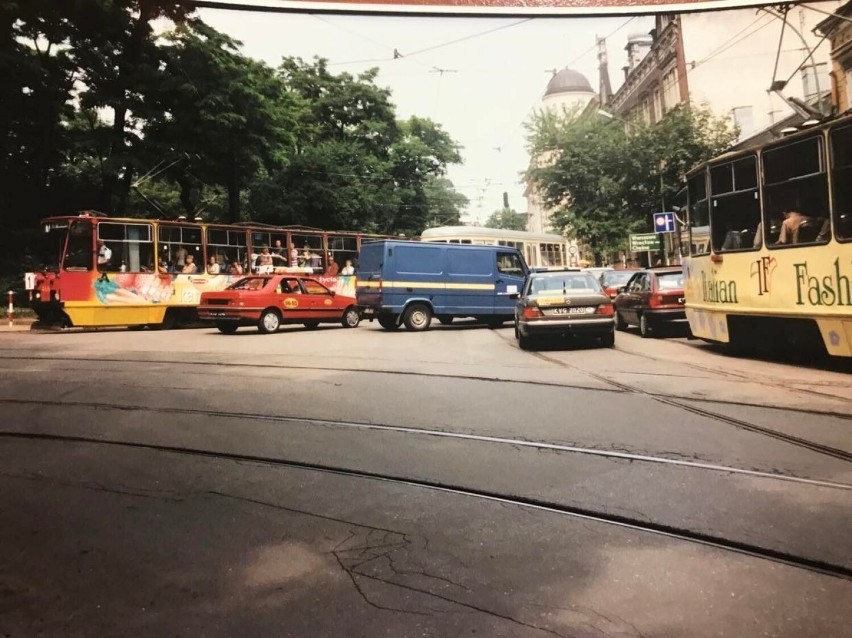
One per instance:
(620, 323)
(418, 317)
(311, 325)
(446, 319)
(608, 340)
(351, 318)
(388, 322)
(269, 321)
(645, 328)
(227, 328)
(524, 342)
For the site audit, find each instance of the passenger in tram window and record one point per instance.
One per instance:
(294, 256)
(348, 268)
(213, 265)
(163, 267)
(180, 257)
(236, 267)
(793, 219)
(333, 267)
(104, 255)
(189, 266)
(264, 258)
(278, 249)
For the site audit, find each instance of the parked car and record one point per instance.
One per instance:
(612, 280)
(651, 298)
(273, 300)
(563, 304)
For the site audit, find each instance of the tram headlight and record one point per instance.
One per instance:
(38, 295)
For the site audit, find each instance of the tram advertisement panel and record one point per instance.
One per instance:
(804, 281)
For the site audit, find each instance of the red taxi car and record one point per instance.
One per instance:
(268, 301)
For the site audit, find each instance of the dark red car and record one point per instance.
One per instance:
(268, 301)
(651, 298)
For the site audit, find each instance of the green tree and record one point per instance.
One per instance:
(219, 117)
(604, 179)
(506, 218)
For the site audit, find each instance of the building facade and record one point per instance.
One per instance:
(838, 30)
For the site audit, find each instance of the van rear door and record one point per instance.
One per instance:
(511, 271)
(368, 286)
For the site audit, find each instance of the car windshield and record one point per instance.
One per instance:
(563, 283)
(670, 281)
(616, 277)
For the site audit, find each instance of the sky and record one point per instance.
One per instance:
(480, 79)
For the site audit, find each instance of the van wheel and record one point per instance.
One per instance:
(620, 323)
(418, 317)
(351, 318)
(269, 321)
(388, 322)
(524, 343)
(227, 328)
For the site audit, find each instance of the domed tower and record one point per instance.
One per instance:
(568, 90)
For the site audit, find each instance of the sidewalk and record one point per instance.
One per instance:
(18, 325)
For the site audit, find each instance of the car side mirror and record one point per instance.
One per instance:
(514, 295)
(621, 289)
(332, 293)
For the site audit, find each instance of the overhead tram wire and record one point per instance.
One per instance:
(408, 54)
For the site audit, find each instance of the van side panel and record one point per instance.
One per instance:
(470, 281)
(418, 272)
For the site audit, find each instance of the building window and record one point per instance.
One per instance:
(671, 94)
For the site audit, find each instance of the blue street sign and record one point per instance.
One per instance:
(664, 222)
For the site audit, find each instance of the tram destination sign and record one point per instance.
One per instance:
(641, 242)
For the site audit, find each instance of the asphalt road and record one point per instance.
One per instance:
(366, 483)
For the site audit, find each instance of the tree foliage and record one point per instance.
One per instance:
(99, 111)
(604, 178)
(506, 218)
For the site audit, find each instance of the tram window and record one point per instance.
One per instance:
(699, 216)
(80, 254)
(174, 243)
(735, 212)
(227, 246)
(309, 252)
(131, 246)
(341, 249)
(841, 155)
(795, 194)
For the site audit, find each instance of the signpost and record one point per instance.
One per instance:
(642, 242)
(664, 222)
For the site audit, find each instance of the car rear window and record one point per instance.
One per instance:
(617, 278)
(580, 282)
(670, 281)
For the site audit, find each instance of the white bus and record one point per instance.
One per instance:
(539, 249)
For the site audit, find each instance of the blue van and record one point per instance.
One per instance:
(409, 282)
